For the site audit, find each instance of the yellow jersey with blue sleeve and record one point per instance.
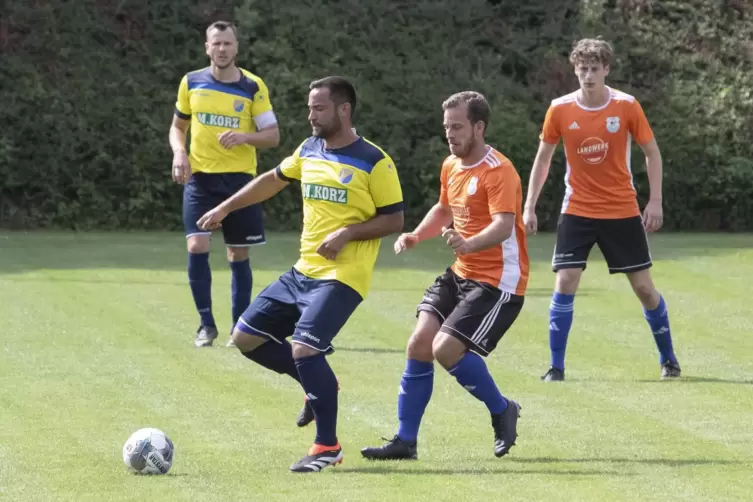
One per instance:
(342, 187)
(215, 107)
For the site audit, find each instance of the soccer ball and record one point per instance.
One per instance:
(148, 451)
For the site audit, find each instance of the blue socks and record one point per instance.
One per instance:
(471, 372)
(320, 385)
(658, 320)
(415, 391)
(240, 287)
(200, 278)
(560, 321)
(277, 357)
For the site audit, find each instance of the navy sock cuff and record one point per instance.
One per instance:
(310, 359)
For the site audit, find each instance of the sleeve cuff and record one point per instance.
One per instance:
(182, 115)
(391, 209)
(280, 175)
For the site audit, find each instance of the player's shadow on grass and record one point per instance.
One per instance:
(694, 379)
(667, 462)
(370, 350)
(387, 469)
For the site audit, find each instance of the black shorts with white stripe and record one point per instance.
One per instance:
(622, 241)
(475, 313)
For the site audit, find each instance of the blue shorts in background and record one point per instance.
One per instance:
(204, 191)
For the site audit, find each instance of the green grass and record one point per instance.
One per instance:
(97, 342)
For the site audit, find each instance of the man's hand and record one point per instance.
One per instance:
(405, 242)
(181, 167)
(229, 139)
(456, 241)
(334, 243)
(212, 220)
(530, 220)
(653, 216)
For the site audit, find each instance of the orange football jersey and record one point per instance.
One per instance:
(599, 182)
(475, 193)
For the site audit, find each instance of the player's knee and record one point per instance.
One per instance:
(197, 244)
(448, 350)
(245, 342)
(420, 345)
(568, 280)
(301, 351)
(237, 254)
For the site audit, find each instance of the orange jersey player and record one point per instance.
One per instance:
(597, 125)
(468, 309)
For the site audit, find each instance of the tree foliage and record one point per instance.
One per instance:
(89, 89)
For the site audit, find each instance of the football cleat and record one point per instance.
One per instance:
(670, 370)
(394, 449)
(205, 336)
(506, 428)
(554, 375)
(319, 457)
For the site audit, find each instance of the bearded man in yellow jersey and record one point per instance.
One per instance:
(351, 198)
(229, 114)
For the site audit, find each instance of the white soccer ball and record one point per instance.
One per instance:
(148, 451)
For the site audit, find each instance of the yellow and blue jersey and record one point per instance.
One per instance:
(342, 187)
(215, 107)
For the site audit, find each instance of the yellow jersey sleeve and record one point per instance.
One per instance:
(183, 104)
(290, 168)
(384, 185)
(261, 103)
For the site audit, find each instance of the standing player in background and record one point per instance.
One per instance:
(468, 309)
(597, 124)
(230, 116)
(351, 198)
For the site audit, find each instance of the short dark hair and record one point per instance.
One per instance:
(478, 107)
(340, 90)
(222, 26)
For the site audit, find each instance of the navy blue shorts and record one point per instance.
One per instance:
(312, 310)
(204, 191)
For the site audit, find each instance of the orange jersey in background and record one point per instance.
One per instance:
(599, 182)
(475, 193)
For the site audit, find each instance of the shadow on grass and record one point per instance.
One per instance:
(369, 350)
(694, 379)
(667, 462)
(484, 471)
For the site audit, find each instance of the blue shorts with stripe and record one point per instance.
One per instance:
(204, 191)
(475, 313)
(312, 310)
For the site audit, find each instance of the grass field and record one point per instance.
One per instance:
(97, 342)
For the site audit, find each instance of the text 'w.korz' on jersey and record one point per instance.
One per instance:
(341, 187)
(599, 182)
(214, 107)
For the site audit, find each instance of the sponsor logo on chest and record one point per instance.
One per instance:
(211, 119)
(320, 192)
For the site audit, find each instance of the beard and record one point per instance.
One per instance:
(463, 151)
(329, 130)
